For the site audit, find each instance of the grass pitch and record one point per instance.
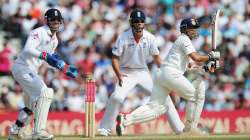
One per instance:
(156, 137)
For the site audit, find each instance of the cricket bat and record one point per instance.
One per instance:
(215, 19)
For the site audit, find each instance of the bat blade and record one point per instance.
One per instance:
(215, 20)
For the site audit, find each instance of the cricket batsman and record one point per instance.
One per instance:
(170, 78)
(133, 47)
(39, 48)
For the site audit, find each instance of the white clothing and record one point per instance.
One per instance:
(177, 57)
(134, 55)
(39, 40)
(171, 78)
(30, 81)
(133, 65)
(25, 68)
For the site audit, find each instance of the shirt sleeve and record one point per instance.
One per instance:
(31, 44)
(153, 46)
(117, 49)
(188, 46)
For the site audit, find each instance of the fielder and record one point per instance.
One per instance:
(130, 52)
(39, 47)
(171, 78)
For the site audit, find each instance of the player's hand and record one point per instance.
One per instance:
(214, 55)
(211, 66)
(120, 79)
(53, 60)
(71, 71)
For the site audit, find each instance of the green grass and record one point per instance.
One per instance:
(156, 137)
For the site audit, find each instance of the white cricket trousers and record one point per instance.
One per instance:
(132, 78)
(168, 80)
(30, 81)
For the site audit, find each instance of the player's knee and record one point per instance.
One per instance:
(47, 93)
(200, 90)
(190, 94)
(158, 108)
(117, 98)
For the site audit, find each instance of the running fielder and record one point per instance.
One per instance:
(130, 52)
(171, 78)
(39, 48)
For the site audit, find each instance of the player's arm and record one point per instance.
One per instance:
(117, 51)
(157, 60)
(54, 60)
(116, 68)
(31, 44)
(154, 51)
(204, 58)
(198, 58)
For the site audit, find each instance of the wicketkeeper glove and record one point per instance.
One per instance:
(213, 55)
(71, 71)
(55, 61)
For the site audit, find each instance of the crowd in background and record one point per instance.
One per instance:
(90, 30)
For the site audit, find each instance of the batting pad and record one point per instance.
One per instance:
(42, 109)
(173, 117)
(194, 109)
(145, 113)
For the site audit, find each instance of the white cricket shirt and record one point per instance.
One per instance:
(39, 40)
(177, 57)
(133, 55)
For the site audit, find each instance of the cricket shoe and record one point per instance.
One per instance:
(194, 131)
(17, 133)
(103, 132)
(119, 124)
(42, 135)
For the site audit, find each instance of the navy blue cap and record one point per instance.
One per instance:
(137, 14)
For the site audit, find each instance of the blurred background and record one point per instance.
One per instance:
(90, 30)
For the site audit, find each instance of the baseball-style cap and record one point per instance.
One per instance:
(137, 15)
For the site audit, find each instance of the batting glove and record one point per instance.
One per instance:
(214, 55)
(211, 66)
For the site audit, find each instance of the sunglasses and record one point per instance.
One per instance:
(137, 21)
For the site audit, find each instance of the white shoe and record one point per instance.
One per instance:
(14, 132)
(119, 124)
(104, 132)
(42, 135)
(194, 131)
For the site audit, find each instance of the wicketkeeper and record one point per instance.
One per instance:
(39, 48)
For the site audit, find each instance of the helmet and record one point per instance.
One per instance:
(137, 15)
(189, 23)
(53, 14)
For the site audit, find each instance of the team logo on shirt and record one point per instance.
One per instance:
(132, 45)
(31, 75)
(35, 36)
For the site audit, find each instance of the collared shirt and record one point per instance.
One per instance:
(134, 55)
(177, 57)
(39, 40)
